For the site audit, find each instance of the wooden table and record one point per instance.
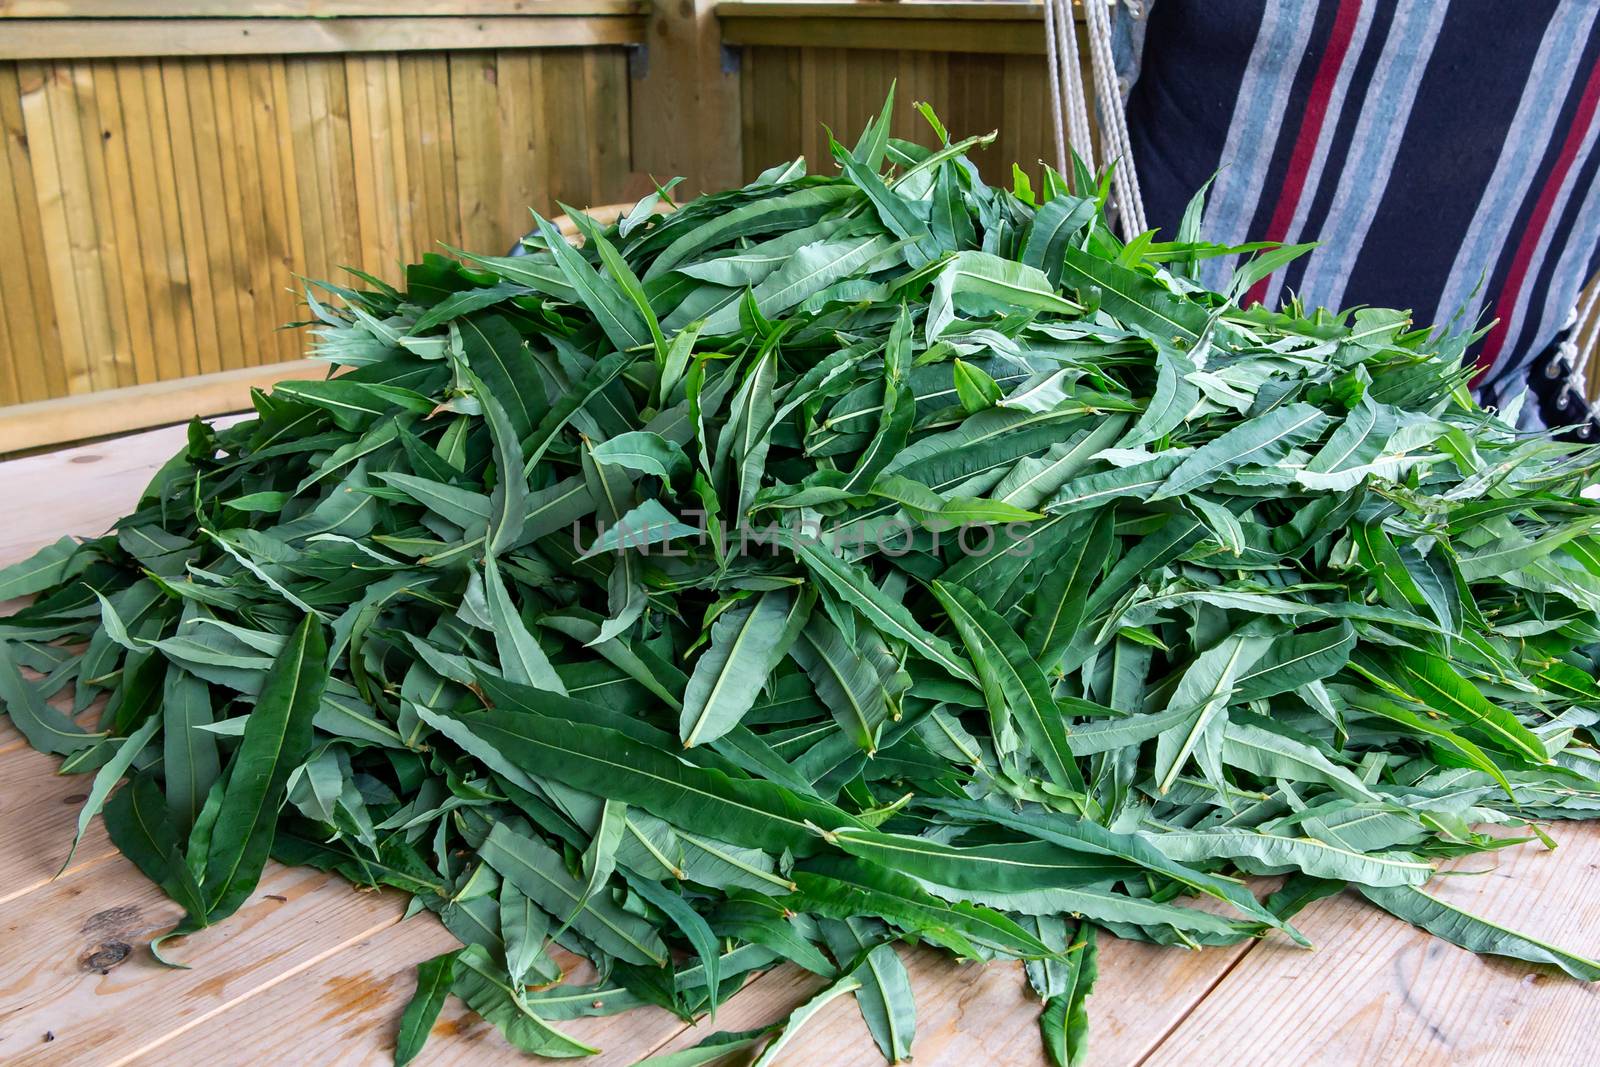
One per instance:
(313, 971)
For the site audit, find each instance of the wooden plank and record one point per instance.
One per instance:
(238, 270)
(968, 1013)
(82, 490)
(56, 258)
(38, 816)
(391, 161)
(346, 1009)
(26, 303)
(842, 87)
(198, 242)
(341, 166)
(218, 210)
(995, 36)
(93, 9)
(1377, 990)
(62, 38)
(405, 94)
(92, 985)
(47, 422)
(166, 273)
(364, 175)
(605, 82)
(280, 141)
(569, 128)
(114, 360)
(242, 164)
(475, 121)
(432, 100)
(778, 95)
(438, 66)
(123, 220)
(524, 140)
(297, 114)
(913, 10)
(685, 108)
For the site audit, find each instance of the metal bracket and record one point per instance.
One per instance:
(638, 61)
(731, 58)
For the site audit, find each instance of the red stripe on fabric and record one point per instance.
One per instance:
(1305, 143)
(1518, 274)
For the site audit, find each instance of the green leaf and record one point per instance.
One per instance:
(1261, 441)
(106, 779)
(603, 761)
(730, 673)
(1205, 690)
(1476, 934)
(1007, 868)
(137, 822)
(846, 889)
(277, 738)
(643, 451)
(434, 979)
(801, 1015)
(1062, 598)
(509, 501)
(536, 869)
(499, 358)
(1012, 681)
(975, 389)
(45, 728)
(521, 658)
(888, 615)
(190, 760)
(1134, 298)
(1296, 659)
(811, 269)
(604, 296)
(50, 566)
(1064, 1022)
(885, 998)
(1431, 682)
(1272, 853)
(488, 992)
(844, 681)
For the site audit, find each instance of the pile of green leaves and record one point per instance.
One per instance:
(827, 563)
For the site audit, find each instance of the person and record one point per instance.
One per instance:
(1443, 152)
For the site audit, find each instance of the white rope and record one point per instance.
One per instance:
(1070, 72)
(1113, 121)
(1587, 336)
(1053, 63)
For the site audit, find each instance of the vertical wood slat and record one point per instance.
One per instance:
(475, 118)
(31, 343)
(161, 190)
(52, 182)
(125, 221)
(197, 242)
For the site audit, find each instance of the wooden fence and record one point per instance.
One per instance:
(157, 206)
(981, 65)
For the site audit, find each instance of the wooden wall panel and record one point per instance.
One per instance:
(790, 93)
(155, 212)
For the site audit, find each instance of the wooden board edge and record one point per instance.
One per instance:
(99, 9)
(32, 39)
(140, 407)
(973, 36)
(934, 10)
